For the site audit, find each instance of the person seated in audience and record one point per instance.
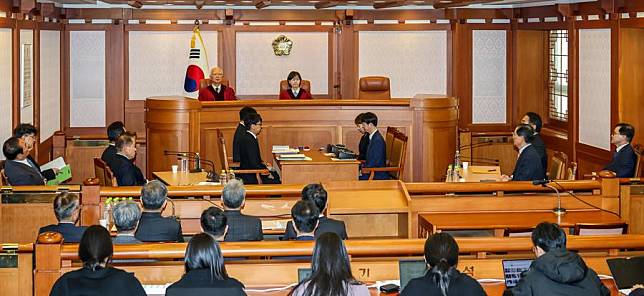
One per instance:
(305, 215)
(28, 133)
(528, 166)
(330, 271)
(364, 139)
(123, 166)
(152, 226)
(18, 169)
(214, 222)
(249, 153)
(318, 195)
(205, 271)
(240, 131)
(624, 159)
(442, 278)
(240, 227)
(534, 120)
(67, 211)
(96, 277)
(114, 130)
(556, 271)
(126, 215)
(376, 151)
(216, 91)
(294, 91)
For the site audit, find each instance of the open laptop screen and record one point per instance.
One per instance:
(627, 272)
(512, 270)
(410, 269)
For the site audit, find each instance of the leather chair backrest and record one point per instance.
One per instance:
(374, 87)
(305, 85)
(205, 82)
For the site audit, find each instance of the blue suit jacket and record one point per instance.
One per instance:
(376, 157)
(71, 233)
(528, 166)
(623, 162)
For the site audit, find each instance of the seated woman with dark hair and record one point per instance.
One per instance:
(331, 271)
(294, 90)
(205, 271)
(96, 277)
(442, 278)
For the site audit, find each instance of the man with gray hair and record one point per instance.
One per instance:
(152, 226)
(240, 227)
(126, 215)
(67, 211)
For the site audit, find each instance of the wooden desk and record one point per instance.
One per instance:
(320, 168)
(181, 178)
(478, 173)
(499, 221)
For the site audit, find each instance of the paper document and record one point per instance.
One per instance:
(64, 174)
(292, 156)
(57, 163)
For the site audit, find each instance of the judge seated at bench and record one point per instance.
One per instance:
(214, 222)
(67, 211)
(126, 215)
(624, 160)
(318, 195)
(152, 226)
(241, 130)
(240, 227)
(114, 130)
(249, 153)
(296, 88)
(18, 169)
(27, 132)
(214, 89)
(528, 166)
(123, 167)
(376, 151)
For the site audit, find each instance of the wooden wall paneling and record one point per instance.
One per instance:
(115, 71)
(30, 217)
(348, 61)
(332, 64)
(18, 280)
(573, 91)
(462, 72)
(591, 159)
(228, 46)
(16, 74)
(530, 80)
(631, 89)
(36, 86)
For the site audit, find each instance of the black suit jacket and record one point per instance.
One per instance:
(109, 154)
(461, 284)
(103, 282)
(623, 162)
(325, 225)
(540, 146)
(126, 172)
(249, 157)
(22, 174)
(155, 228)
(71, 233)
(362, 146)
(125, 240)
(48, 174)
(239, 132)
(528, 166)
(242, 227)
(197, 282)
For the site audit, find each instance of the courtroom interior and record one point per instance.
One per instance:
(322, 147)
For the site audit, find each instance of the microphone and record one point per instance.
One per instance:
(541, 182)
(196, 158)
(559, 211)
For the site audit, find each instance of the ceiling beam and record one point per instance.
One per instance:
(135, 3)
(262, 3)
(388, 4)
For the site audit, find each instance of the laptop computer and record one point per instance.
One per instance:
(626, 272)
(512, 270)
(303, 274)
(410, 269)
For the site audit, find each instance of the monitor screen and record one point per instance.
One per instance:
(512, 270)
(410, 269)
(303, 274)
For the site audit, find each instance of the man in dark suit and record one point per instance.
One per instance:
(249, 154)
(305, 215)
(318, 195)
(534, 120)
(528, 166)
(376, 151)
(123, 167)
(18, 169)
(67, 210)
(364, 140)
(28, 133)
(126, 216)
(152, 226)
(241, 130)
(240, 227)
(214, 222)
(114, 130)
(624, 159)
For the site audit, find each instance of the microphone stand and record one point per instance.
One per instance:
(196, 158)
(559, 211)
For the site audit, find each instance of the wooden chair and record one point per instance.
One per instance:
(571, 172)
(389, 141)
(557, 170)
(4, 181)
(103, 173)
(638, 160)
(600, 229)
(206, 82)
(374, 87)
(223, 157)
(396, 162)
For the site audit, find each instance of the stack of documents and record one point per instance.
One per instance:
(293, 157)
(280, 149)
(64, 171)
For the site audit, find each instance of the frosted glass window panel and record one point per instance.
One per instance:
(259, 70)
(27, 76)
(594, 87)
(489, 76)
(49, 83)
(6, 81)
(414, 61)
(87, 78)
(158, 61)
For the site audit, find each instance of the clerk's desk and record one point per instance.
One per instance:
(181, 178)
(320, 168)
(480, 173)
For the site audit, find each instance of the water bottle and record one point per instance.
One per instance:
(107, 213)
(457, 160)
(184, 166)
(231, 175)
(223, 178)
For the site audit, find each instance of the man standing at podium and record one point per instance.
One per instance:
(215, 90)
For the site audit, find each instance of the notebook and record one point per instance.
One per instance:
(410, 269)
(512, 270)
